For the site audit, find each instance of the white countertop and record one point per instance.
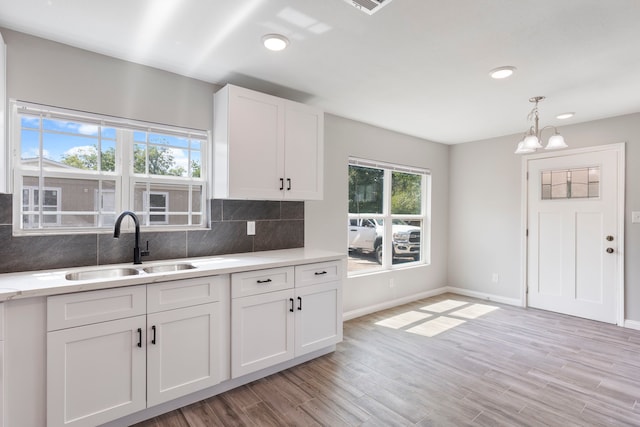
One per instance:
(53, 282)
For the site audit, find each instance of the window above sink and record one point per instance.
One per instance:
(75, 171)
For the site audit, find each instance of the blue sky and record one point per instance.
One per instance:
(64, 137)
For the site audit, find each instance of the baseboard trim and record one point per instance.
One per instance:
(632, 324)
(485, 296)
(348, 315)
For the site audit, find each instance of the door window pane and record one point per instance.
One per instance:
(576, 183)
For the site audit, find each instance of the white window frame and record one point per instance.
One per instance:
(123, 177)
(388, 217)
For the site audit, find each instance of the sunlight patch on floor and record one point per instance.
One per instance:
(403, 320)
(474, 311)
(433, 319)
(436, 326)
(446, 305)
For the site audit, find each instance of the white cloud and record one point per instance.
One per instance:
(180, 158)
(81, 150)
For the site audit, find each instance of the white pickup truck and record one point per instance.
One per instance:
(365, 234)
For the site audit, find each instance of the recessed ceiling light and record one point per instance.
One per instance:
(565, 115)
(502, 72)
(275, 41)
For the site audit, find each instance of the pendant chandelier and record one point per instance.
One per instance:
(531, 139)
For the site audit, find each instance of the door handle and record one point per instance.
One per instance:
(153, 329)
(281, 183)
(299, 303)
(291, 302)
(610, 250)
(140, 337)
(288, 184)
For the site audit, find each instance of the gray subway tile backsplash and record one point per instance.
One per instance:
(279, 225)
(248, 210)
(279, 235)
(6, 213)
(26, 253)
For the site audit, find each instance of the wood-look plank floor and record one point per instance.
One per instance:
(446, 361)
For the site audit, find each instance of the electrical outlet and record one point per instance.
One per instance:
(392, 283)
(251, 228)
(635, 217)
(495, 278)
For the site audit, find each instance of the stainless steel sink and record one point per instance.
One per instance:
(166, 268)
(104, 273)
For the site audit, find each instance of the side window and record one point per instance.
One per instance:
(390, 202)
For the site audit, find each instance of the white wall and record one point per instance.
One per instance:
(326, 220)
(485, 209)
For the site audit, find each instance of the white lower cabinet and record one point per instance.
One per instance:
(96, 373)
(261, 331)
(1, 383)
(274, 326)
(318, 317)
(1, 364)
(102, 371)
(182, 352)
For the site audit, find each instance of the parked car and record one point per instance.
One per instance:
(365, 234)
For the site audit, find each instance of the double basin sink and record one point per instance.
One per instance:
(111, 273)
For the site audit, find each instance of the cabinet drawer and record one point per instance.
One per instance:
(184, 293)
(323, 272)
(1, 322)
(261, 281)
(84, 308)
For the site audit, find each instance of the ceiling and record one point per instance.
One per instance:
(419, 67)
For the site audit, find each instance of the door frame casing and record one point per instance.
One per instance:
(619, 149)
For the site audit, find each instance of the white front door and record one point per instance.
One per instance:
(575, 233)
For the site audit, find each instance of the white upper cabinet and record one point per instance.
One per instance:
(265, 147)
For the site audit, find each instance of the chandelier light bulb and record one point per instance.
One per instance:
(531, 141)
(522, 150)
(555, 142)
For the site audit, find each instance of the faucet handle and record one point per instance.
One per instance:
(146, 251)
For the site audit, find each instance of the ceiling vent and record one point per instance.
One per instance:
(368, 6)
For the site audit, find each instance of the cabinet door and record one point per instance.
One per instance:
(304, 152)
(183, 351)
(261, 331)
(96, 373)
(255, 144)
(318, 317)
(1, 383)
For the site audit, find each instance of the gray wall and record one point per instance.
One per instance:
(326, 220)
(51, 73)
(485, 209)
(476, 192)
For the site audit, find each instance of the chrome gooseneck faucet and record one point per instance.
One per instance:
(137, 253)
